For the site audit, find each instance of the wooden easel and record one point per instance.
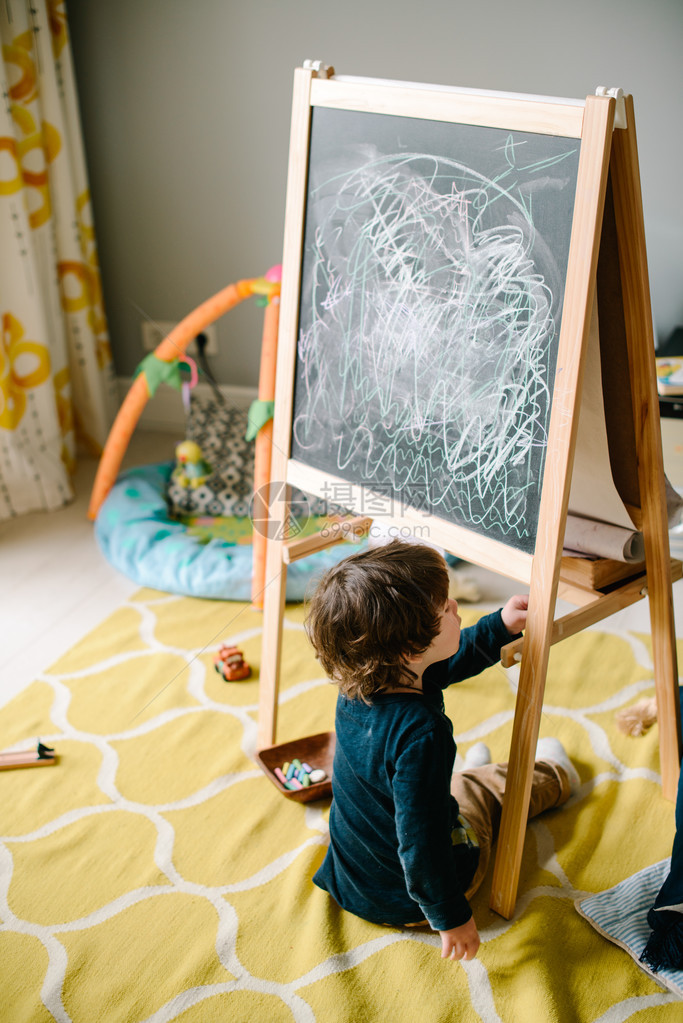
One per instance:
(608, 154)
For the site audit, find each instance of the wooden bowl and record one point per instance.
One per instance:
(316, 750)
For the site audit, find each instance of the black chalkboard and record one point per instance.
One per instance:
(432, 283)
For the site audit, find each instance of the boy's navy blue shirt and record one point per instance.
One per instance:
(391, 859)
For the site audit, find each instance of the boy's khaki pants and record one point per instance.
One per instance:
(479, 792)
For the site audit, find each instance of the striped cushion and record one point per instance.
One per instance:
(620, 914)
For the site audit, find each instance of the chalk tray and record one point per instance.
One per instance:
(316, 750)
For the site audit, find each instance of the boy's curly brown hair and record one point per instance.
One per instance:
(374, 610)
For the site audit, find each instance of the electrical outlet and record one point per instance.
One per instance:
(154, 332)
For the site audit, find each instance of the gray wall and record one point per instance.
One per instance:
(186, 109)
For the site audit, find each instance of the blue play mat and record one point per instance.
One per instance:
(137, 536)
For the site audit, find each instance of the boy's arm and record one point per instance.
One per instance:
(423, 810)
(480, 646)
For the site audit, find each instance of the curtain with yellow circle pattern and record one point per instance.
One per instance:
(56, 376)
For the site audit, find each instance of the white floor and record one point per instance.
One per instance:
(56, 585)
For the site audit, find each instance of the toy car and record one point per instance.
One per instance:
(230, 663)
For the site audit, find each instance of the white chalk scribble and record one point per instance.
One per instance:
(429, 310)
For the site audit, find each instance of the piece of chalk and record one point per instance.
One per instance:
(290, 772)
(318, 775)
(290, 785)
(285, 767)
(296, 762)
(306, 780)
(307, 767)
(295, 783)
(279, 775)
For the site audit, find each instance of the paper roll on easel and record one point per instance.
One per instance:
(594, 495)
(598, 523)
(599, 539)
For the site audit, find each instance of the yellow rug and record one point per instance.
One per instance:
(156, 874)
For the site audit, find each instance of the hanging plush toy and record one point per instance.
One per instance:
(191, 470)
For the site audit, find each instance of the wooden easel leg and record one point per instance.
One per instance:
(578, 301)
(528, 708)
(628, 212)
(666, 681)
(273, 614)
(271, 648)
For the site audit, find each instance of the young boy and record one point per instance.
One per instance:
(409, 840)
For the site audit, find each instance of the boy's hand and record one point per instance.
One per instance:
(514, 613)
(460, 942)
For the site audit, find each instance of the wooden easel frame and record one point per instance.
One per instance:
(604, 151)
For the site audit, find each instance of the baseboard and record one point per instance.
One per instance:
(166, 412)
